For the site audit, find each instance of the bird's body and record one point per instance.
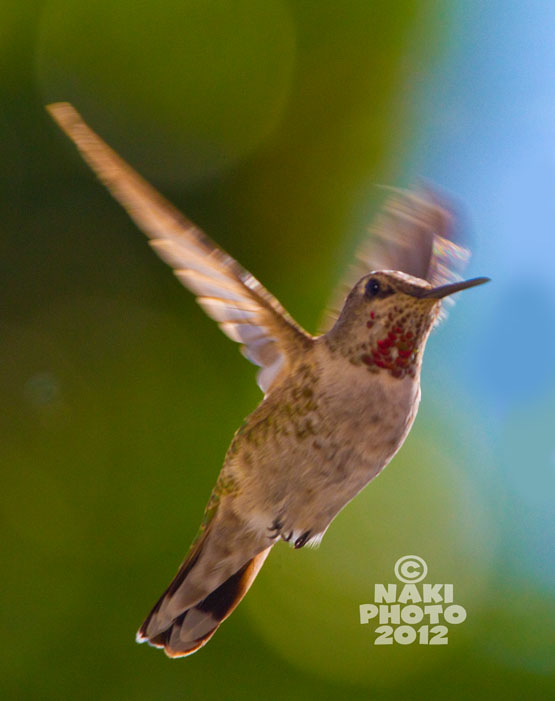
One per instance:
(337, 407)
(316, 441)
(308, 448)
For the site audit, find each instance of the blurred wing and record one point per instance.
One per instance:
(243, 308)
(415, 234)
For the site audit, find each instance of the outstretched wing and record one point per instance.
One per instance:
(243, 308)
(415, 234)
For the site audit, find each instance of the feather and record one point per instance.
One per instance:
(226, 291)
(216, 574)
(414, 234)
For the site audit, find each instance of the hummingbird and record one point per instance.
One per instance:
(337, 406)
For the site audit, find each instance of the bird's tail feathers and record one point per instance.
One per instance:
(205, 591)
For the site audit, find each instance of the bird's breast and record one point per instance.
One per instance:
(370, 412)
(314, 443)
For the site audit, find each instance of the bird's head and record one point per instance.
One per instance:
(387, 318)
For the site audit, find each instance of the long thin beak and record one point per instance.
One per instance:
(444, 290)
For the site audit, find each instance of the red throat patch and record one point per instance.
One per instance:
(397, 349)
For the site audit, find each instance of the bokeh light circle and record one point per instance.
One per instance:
(186, 88)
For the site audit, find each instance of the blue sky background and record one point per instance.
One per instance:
(489, 136)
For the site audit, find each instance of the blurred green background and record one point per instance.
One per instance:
(269, 122)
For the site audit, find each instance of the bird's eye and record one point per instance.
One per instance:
(372, 287)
